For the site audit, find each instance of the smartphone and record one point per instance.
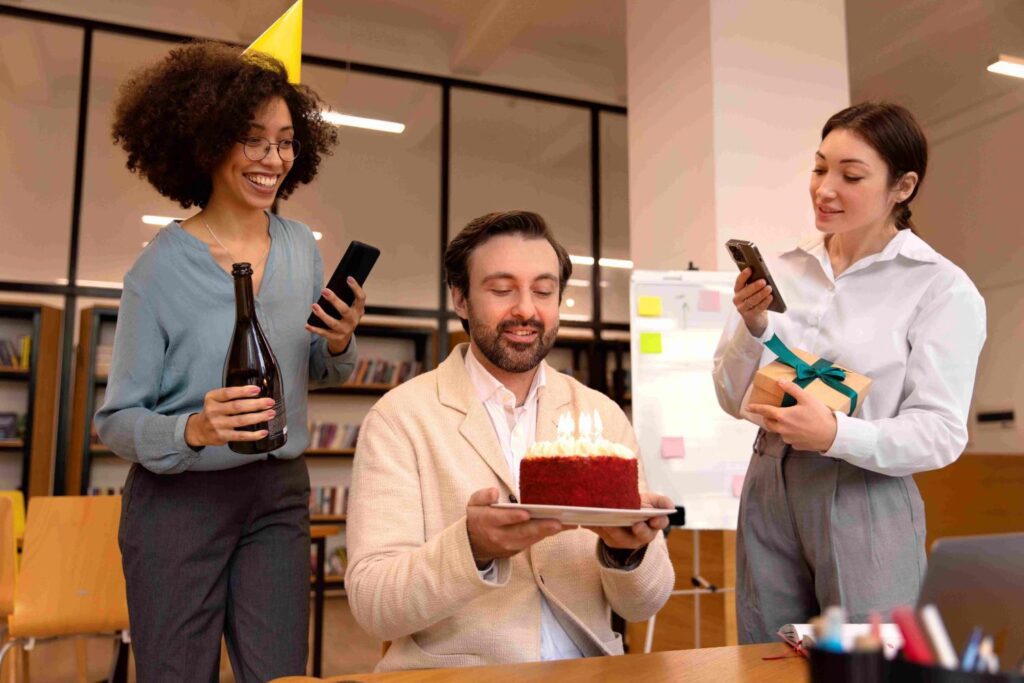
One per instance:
(746, 255)
(356, 263)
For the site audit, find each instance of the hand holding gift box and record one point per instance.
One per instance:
(837, 387)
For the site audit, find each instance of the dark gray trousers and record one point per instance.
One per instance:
(207, 554)
(816, 531)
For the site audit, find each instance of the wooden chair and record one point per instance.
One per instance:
(18, 511)
(8, 572)
(71, 582)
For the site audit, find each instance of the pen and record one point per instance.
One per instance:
(832, 640)
(985, 651)
(970, 657)
(931, 620)
(915, 646)
(876, 625)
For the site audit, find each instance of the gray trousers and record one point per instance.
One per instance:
(207, 554)
(816, 531)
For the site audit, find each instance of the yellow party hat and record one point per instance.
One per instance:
(283, 40)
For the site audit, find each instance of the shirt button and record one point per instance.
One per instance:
(831, 286)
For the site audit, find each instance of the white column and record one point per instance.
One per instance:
(726, 103)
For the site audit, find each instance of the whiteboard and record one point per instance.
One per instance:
(692, 450)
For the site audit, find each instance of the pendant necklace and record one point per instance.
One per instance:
(226, 251)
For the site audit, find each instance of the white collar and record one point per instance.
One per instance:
(487, 386)
(904, 243)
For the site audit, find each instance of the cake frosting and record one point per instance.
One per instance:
(580, 469)
(589, 441)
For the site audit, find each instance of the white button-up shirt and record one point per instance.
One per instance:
(516, 427)
(906, 317)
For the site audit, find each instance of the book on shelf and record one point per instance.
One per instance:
(328, 500)
(335, 563)
(16, 353)
(378, 371)
(104, 352)
(12, 426)
(331, 435)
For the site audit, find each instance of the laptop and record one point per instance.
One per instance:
(979, 581)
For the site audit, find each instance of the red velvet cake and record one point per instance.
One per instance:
(588, 471)
(595, 481)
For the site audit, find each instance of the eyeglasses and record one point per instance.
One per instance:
(257, 149)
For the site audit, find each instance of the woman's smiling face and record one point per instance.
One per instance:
(850, 185)
(254, 184)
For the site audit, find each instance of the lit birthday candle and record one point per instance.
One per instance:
(585, 427)
(565, 426)
(598, 426)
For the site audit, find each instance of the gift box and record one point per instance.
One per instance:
(837, 387)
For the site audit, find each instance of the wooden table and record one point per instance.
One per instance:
(736, 664)
(318, 534)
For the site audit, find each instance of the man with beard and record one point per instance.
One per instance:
(449, 580)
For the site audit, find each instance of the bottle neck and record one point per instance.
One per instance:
(245, 303)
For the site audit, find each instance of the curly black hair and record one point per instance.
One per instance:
(178, 118)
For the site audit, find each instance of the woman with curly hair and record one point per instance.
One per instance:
(214, 542)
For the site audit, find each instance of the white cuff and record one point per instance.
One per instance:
(856, 439)
(489, 573)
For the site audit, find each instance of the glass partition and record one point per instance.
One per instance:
(514, 153)
(380, 188)
(114, 201)
(40, 76)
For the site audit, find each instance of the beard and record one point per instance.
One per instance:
(508, 355)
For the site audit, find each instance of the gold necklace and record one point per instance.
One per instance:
(226, 251)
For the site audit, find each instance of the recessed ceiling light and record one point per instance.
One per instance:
(1008, 66)
(149, 219)
(339, 119)
(605, 262)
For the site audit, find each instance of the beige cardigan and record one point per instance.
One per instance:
(423, 450)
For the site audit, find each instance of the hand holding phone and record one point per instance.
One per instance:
(755, 290)
(356, 263)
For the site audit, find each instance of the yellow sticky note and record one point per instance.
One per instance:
(649, 306)
(650, 342)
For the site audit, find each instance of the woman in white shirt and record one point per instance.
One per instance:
(829, 513)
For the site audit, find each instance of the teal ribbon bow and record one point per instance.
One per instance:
(807, 373)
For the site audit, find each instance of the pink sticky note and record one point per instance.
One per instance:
(673, 447)
(737, 484)
(709, 301)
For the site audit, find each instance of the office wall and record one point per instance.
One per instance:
(726, 102)
(970, 211)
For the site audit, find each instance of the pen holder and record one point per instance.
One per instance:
(847, 667)
(872, 667)
(902, 670)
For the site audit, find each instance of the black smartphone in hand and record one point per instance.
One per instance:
(356, 263)
(746, 255)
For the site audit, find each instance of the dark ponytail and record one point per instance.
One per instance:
(894, 133)
(902, 211)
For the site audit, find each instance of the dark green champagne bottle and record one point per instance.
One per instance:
(251, 361)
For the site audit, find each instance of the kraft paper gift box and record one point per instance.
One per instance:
(831, 384)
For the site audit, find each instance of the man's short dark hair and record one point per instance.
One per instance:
(479, 230)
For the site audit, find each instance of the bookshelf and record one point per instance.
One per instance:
(29, 380)
(95, 340)
(388, 345)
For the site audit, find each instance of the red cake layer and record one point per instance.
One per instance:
(597, 481)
